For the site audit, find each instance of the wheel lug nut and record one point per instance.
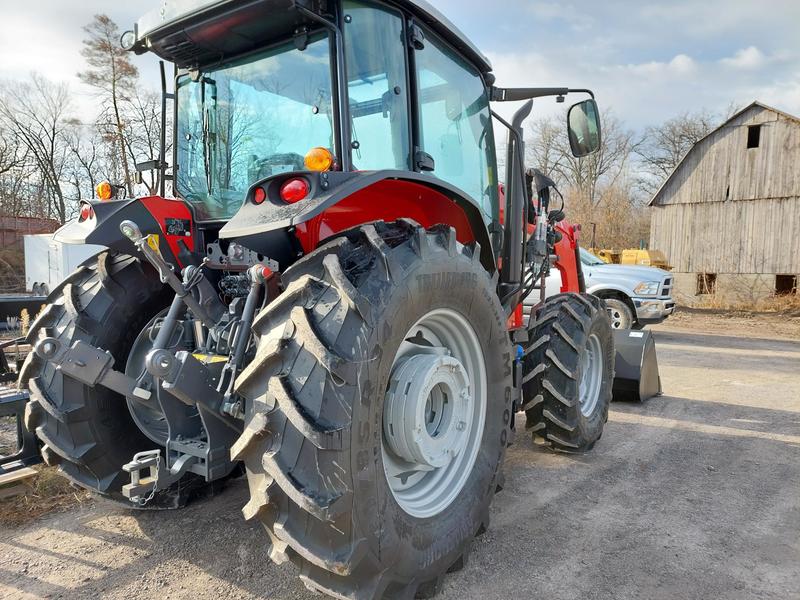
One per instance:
(461, 425)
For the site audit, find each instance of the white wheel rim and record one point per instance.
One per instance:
(591, 367)
(434, 413)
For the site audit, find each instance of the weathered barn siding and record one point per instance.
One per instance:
(761, 236)
(731, 210)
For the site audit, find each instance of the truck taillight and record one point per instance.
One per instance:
(87, 212)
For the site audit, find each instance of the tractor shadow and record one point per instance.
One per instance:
(657, 509)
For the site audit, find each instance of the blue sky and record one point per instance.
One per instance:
(647, 61)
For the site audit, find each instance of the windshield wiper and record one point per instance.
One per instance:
(206, 149)
(207, 130)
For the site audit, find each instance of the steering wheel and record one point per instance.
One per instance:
(274, 164)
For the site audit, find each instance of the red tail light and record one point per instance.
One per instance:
(87, 212)
(294, 190)
(259, 195)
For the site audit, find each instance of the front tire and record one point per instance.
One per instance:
(314, 442)
(568, 372)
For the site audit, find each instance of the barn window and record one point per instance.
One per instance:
(785, 285)
(706, 283)
(753, 136)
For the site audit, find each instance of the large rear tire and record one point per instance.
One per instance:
(314, 444)
(568, 372)
(89, 432)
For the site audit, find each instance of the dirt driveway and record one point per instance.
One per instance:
(693, 495)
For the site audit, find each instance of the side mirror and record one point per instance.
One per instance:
(583, 123)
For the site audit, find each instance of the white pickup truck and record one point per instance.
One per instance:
(635, 295)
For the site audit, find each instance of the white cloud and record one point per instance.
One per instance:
(681, 64)
(783, 96)
(746, 58)
(646, 93)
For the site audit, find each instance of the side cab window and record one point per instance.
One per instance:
(377, 86)
(455, 123)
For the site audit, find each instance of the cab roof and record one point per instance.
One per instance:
(194, 33)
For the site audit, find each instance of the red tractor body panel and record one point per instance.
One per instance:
(175, 220)
(386, 200)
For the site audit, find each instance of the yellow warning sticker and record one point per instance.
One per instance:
(152, 241)
(210, 358)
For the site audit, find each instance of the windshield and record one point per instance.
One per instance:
(588, 258)
(249, 120)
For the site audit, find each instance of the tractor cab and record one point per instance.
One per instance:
(279, 103)
(272, 87)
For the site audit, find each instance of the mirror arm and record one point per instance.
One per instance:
(514, 94)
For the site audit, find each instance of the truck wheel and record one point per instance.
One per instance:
(620, 313)
(89, 432)
(568, 371)
(378, 411)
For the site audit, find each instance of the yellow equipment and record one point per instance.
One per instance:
(648, 258)
(611, 257)
(632, 256)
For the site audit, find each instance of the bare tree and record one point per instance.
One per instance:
(545, 148)
(36, 112)
(143, 137)
(12, 150)
(664, 146)
(114, 76)
(550, 151)
(84, 145)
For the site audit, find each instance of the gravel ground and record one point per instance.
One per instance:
(695, 494)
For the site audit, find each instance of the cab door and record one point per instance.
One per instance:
(454, 123)
(378, 86)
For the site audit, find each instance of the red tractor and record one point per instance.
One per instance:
(331, 301)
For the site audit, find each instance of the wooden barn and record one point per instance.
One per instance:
(728, 217)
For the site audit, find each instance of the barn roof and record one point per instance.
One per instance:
(755, 104)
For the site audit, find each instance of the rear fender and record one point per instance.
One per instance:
(340, 201)
(170, 220)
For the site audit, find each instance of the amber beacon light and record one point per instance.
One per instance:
(319, 159)
(104, 191)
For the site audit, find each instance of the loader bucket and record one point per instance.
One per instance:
(636, 377)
